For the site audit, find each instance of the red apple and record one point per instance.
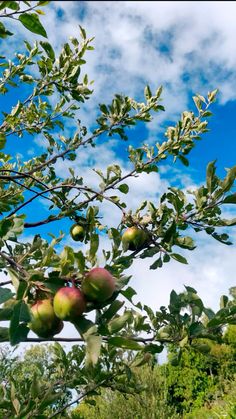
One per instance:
(69, 303)
(44, 321)
(98, 285)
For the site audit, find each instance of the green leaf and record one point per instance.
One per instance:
(21, 290)
(122, 280)
(204, 348)
(18, 331)
(93, 349)
(185, 242)
(94, 243)
(124, 343)
(112, 309)
(5, 294)
(124, 188)
(2, 141)
(5, 226)
(80, 259)
(82, 32)
(184, 160)
(224, 222)
(179, 258)
(190, 289)
(229, 179)
(209, 313)
(195, 329)
(48, 49)
(153, 348)
(103, 108)
(210, 176)
(147, 92)
(119, 322)
(31, 22)
(13, 5)
(5, 313)
(230, 199)
(211, 95)
(223, 238)
(141, 359)
(4, 334)
(157, 264)
(129, 293)
(18, 335)
(84, 326)
(174, 298)
(43, 3)
(4, 32)
(223, 301)
(115, 235)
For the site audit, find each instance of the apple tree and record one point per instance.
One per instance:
(46, 283)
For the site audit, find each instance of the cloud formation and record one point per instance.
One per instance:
(182, 45)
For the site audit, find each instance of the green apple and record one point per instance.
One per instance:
(98, 285)
(44, 321)
(134, 238)
(69, 303)
(77, 232)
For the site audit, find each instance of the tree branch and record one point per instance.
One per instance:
(54, 158)
(5, 283)
(17, 12)
(71, 186)
(13, 263)
(79, 398)
(22, 175)
(104, 338)
(50, 219)
(30, 189)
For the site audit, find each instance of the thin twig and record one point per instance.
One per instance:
(79, 398)
(12, 262)
(5, 283)
(30, 189)
(18, 12)
(50, 219)
(25, 175)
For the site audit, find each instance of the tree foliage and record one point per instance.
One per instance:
(201, 385)
(50, 91)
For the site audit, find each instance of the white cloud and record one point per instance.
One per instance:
(182, 45)
(210, 271)
(131, 38)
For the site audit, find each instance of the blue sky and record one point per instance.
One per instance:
(188, 47)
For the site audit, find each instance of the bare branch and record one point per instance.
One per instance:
(5, 283)
(71, 186)
(30, 189)
(50, 219)
(22, 175)
(18, 12)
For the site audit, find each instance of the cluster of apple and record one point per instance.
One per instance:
(70, 302)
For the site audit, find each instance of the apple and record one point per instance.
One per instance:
(69, 303)
(134, 238)
(77, 232)
(98, 285)
(44, 321)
